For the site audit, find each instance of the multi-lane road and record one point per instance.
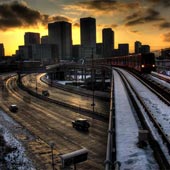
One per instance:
(49, 122)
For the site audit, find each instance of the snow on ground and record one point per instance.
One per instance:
(162, 82)
(160, 110)
(128, 153)
(16, 159)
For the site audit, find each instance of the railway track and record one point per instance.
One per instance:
(162, 92)
(53, 123)
(158, 136)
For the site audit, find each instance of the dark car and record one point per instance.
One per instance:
(13, 108)
(45, 93)
(81, 124)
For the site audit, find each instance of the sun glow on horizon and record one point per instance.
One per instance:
(14, 38)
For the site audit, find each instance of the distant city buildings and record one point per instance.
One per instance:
(145, 49)
(34, 51)
(108, 42)
(24, 52)
(31, 38)
(2, 50)
(165, 53)
(88, 37)
(123, 49)
(163, 62)
(46, 53)
(116, 52)
(60, 34)
(76, 52)
(139, 48)
(45, 39)
(137, 45)
(57, 45)
(99, 50)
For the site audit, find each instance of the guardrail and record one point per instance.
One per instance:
(154, 143)
(110, 161)
(84, 111)
(100, 95)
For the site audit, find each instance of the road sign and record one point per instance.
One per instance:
(74, 157)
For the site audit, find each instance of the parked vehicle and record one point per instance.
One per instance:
(81, 124)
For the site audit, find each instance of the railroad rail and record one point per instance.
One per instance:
(136, 99)
(161, 76)
(154, 87)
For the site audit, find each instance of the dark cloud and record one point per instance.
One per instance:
(17, 14)
(103, 5)
(164, 25)
(132, 16)
(166, 37)
(114, 26)
(56, 18)
(4, 1)
(147, 16)
(135, 31)
(99, 4)
(164, 3)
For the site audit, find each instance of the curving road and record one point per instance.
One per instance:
(52, 123)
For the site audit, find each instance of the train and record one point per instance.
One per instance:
(143, 63)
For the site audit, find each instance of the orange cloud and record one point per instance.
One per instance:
(166, 37)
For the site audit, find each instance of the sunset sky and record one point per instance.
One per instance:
(145, 20)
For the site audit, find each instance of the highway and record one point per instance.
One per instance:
(85, 102)
(51, 123)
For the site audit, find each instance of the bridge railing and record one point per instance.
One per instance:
(110, 161)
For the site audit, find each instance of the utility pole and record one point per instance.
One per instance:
(92, 77)
(52, 155)
(36, 88)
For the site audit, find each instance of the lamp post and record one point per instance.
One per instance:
(52, 155)
(36, 88)
(51, 75)
(92, 77)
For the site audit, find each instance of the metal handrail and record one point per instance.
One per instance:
(111, 132)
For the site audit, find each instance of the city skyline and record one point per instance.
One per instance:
(147, 22)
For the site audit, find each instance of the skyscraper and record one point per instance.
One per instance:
(60, 33)
(88, 37)
(44, 40)
(108, 42)
(31, 38)
(2, 50)
(138, 45)
(123, 49)
(145, 49)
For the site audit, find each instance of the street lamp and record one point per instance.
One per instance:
(92, 77)
(36, 87)
(52, 154)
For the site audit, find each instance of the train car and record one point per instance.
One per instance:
(147, 63)
(143, 63)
